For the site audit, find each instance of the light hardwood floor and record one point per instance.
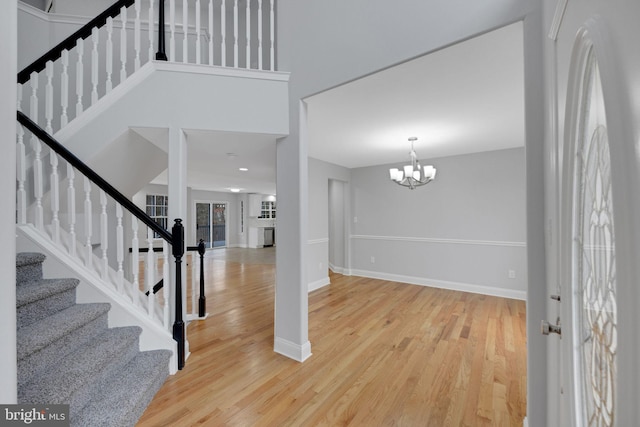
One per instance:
(384, 354)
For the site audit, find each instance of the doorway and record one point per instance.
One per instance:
(211, 224)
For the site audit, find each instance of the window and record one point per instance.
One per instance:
(268, 210)
(157, 209)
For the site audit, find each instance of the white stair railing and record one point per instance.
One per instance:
(236, 33)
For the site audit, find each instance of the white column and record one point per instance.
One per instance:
(177, 192)
(292, 305)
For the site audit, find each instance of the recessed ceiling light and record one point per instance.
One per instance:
(243, 169)
(234, 190)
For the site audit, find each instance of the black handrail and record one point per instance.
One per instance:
(70, 42)
(42, 135)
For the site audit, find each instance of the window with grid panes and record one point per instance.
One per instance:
(268, 210)
(157, 209)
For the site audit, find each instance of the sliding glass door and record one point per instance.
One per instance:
(211, 224)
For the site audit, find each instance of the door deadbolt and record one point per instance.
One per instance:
(548, 328)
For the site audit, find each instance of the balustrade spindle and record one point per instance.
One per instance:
(64, 89)
(211, 33)
(185, 30)
(260, 53)
(151, 28)
(109, 55)
(167, 281)
(150, 274)
(235, 33)
(48, 98)
(172, 29)
(223, 32)
(55, 197)
(119, 248)
(79, 77)
(198, 34)
(21, 167)
(88, 250)
(33, 100)
(272, 56)
(38, 183)
(71, 209)
(247, 20)
(136, 35)
(135, 261)
(123, 44)
(104, 234)
(194, 288)
(202, 300)
(95, 38)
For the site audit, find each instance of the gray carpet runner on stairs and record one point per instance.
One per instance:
(68, 355)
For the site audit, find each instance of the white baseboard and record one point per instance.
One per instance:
(525, 423)
(443, 284)
(339, 270)
(319, 284)
(298, 352)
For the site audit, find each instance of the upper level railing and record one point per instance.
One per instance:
(101, 55)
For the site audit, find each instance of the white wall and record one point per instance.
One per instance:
(8, 70)
(465, 230)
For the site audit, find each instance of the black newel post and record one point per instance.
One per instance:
(202, 302)
(161, 55)
(177, 244)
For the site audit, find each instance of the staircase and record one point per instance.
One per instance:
(68, 355)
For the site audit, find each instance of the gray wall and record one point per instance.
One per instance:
(465, 230)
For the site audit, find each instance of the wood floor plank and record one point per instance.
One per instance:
(384, 353)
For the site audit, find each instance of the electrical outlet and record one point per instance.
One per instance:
(319, 266)
(373, 260)
(355, 219)
(512, 274)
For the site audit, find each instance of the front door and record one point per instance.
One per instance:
(597, 253)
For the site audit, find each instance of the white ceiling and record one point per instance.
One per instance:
(466, 98)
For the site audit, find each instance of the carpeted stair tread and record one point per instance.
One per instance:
(28, 267)
(75, 380)
(122, 401)
(39, 299)
(40, 334)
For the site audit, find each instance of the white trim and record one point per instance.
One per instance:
(444, 284)
(298, 352)
(217, 70)
(525, 423)
(319, 284)
(339, 270)
(54, 18)
(318, 241)
(439, 240)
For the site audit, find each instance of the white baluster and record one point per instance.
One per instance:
(135, 261)
(48, 98)
(123, 44)
(33, 100)
(151, 29)
(95, 38)
(235, 33)
(55, 197)
(88, 250)
(247, 20)
(136, 35)
(211, 34)
(21, 167)
(71, 209)
(260, 35)
(79, 77)
(150, 274)
(223, 31)
(119, 248)
(172, 30)
(64, 89)
(272, 41)
(167, 282)
(194, 283)
(109, 55)
(198, 34)
(185, 30)
(38, 182)
(104, 234)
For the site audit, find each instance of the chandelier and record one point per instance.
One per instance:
(413, 175)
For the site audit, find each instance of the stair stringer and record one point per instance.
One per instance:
(92, 289)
